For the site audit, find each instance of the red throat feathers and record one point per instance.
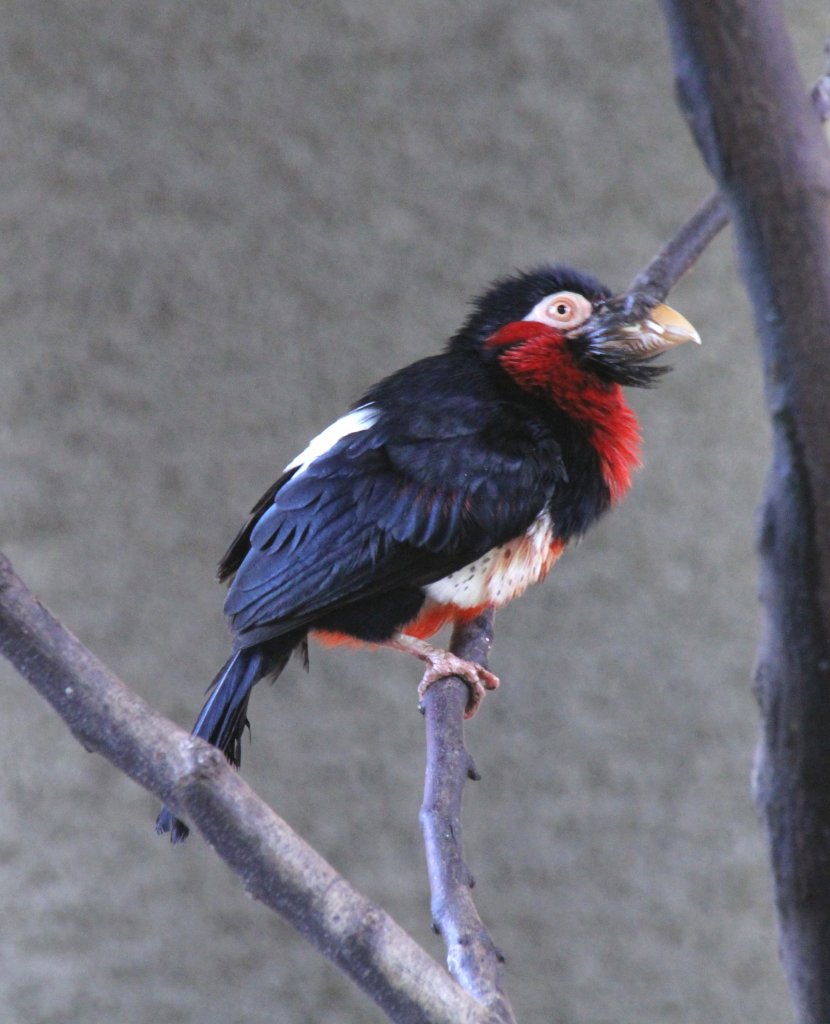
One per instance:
(539, 359)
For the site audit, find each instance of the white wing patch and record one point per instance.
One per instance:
(503, 573)
(353, 422)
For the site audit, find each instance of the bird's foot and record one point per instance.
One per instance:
(444, 663)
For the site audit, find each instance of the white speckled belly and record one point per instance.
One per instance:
(503, 573)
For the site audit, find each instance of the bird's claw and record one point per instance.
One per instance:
(477, 679)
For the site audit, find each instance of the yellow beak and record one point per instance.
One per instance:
(663, 328)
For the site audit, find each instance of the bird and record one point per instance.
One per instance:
(448, 488)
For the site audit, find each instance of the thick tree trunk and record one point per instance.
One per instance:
(749, 111)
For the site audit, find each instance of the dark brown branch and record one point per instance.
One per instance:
(275, 865)
(679, 254)
(472, 958)
(742, 94)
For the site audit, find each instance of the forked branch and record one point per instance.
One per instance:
(654, 282)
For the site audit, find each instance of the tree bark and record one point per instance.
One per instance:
(748, 109)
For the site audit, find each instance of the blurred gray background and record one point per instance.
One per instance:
(220, 222)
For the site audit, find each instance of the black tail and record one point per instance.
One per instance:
(223, 718)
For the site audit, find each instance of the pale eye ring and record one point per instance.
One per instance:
(564, 310)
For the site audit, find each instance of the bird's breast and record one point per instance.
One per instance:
(501, 574)
(492, 580)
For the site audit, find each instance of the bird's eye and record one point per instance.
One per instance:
(565, 310)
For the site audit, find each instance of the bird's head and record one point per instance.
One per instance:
(552, 327)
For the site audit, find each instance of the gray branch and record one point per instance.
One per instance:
(275, 865)
(472, 957)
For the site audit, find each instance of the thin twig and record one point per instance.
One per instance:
(678, 255)
(275, 865)
(472, 957)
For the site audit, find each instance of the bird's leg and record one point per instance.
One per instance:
(442, 663)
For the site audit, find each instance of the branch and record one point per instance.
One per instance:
(742, 94)
(679, 254)
(677, 257)
(472, 958)
(275, 865)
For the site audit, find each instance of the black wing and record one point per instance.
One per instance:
(421, 492)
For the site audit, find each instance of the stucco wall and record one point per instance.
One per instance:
(220, 223)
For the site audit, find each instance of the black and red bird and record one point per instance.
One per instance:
(448, 488)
